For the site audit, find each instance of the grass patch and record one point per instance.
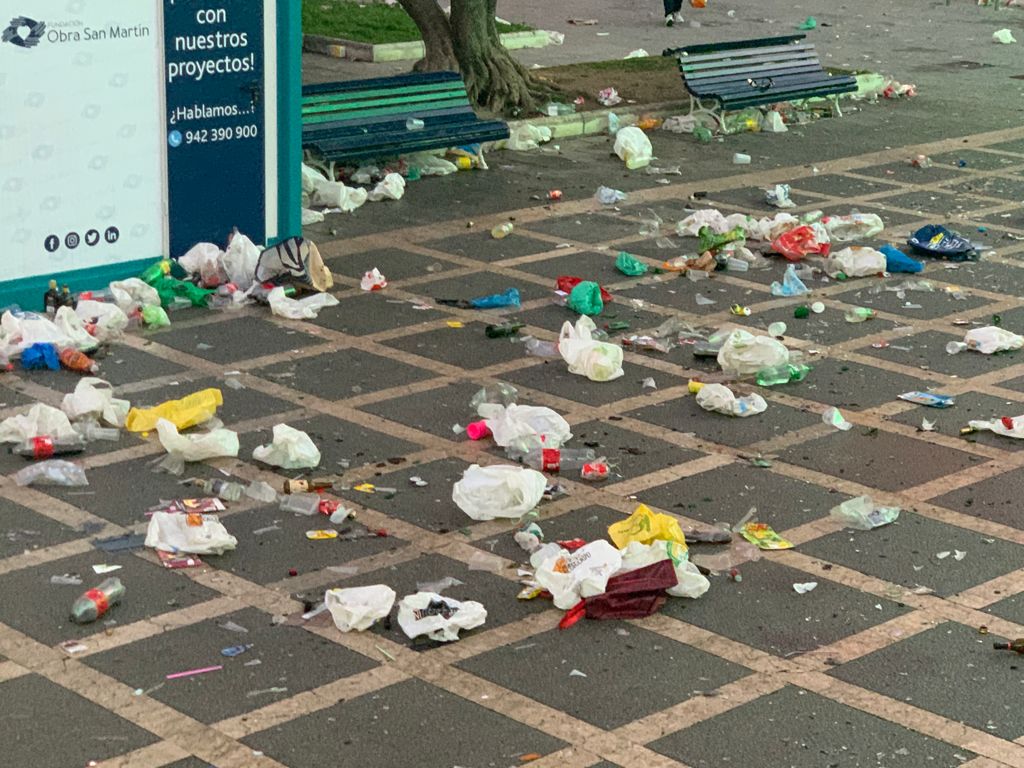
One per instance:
(374, 23)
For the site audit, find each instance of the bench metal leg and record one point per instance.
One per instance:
(715, 113)
(836, 111)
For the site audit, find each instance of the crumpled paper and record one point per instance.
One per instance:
(290, 449)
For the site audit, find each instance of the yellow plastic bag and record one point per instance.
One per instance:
(645, 526)
(187, 412)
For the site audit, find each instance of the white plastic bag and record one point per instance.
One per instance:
(41, 421)
(391, 187)
(679, 124)
(692, 583)
(505, 491)
(709, 217)
(299, 309)
(597, 360)
(359, 608)
(290, 449)
(71, 325)
(991, 339)
(335, 195)
(856, 226)
(133, 292)
(430, 164)
(856, 261)
(720, 399)
(509, 423)
(571, 576)
(767, 230)
(744, 354)
(1011, 427)
(215, 444)
(207, 261)
(172, 532)
(863, 514)
(439, 618)
(633, 148)
(27, 328)
(109, 319)
(94, 399)
(526, 137)
(240, 260)
(373, 280)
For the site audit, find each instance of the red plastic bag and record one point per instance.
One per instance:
(566, 283)
(634, 594)
(800, 242)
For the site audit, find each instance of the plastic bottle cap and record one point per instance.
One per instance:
(817, 307)
(777, 329)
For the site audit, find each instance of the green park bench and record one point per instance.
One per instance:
(749, 73)
(348, 122)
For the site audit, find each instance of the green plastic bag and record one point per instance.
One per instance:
(586, 299)
(709, 241)
(168, 288)
(627, 264)
(155, 317)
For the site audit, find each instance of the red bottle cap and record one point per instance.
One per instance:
(42, 447)
(550, 459)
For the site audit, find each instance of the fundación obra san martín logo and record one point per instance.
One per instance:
(24, 32)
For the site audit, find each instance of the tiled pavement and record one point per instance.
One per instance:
(883, 664)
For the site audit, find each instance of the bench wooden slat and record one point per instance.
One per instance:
(795, 95)
(786, 82)
(372, 125)
(782, 51)
(396, 81)
(761, 42)
(395, 145)
(741, 70)
(400, 109)
(709, 85)
(397, 93)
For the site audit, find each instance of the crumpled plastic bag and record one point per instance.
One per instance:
(41, 421)
(628, 264)
(608, 196)
(691, 582)
(646, 526)
(133, 292)
(93, 399)
(240, 261)
(862, 514)
(679, 124)
(897, 261)
(71, 325)
(801, 242)
(290, 449)
(1003, 37)
(23, 330)
(526, 137)
(991, 339)
(430, 164)
(513, 422)
(585, 298)
(40, 357)
(439, 618)
(633, 147)
(184, 413)
(856, 261)
(207, 261)
(359, 608)
(597, 360)
(108, 320)
(936, 240)
(190, 533)
(712, 218)
(720, 399)
(744, 354)
(498, 491)
(391, 187)
(214, 444)
(299, 309)
(791, 284)
(856, 226)
(634, 593)
(769, 229)
(572, 576)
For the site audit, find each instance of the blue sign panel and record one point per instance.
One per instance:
(216, 144)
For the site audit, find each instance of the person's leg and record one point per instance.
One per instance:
(671, 6)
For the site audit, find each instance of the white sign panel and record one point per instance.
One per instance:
(81, 134)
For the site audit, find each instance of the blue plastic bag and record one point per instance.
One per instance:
(936, 240)
(39, 357)
(509, 298)
(897, 261)
(791, 285)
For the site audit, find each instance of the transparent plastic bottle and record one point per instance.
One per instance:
(540, 348)
(859, 315)
(558, 459)
(222, 489)
(97, 601)
(500, 393)
(36, 448)
(52, 472)
(92, 431)
(782, 374)
(302, 503)
(956, 347)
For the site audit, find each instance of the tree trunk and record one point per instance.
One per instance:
(493, 78)
(437, 36)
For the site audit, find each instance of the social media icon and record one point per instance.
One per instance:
(112, 235)
(51, 243)
(92, 237)
(72, 240)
